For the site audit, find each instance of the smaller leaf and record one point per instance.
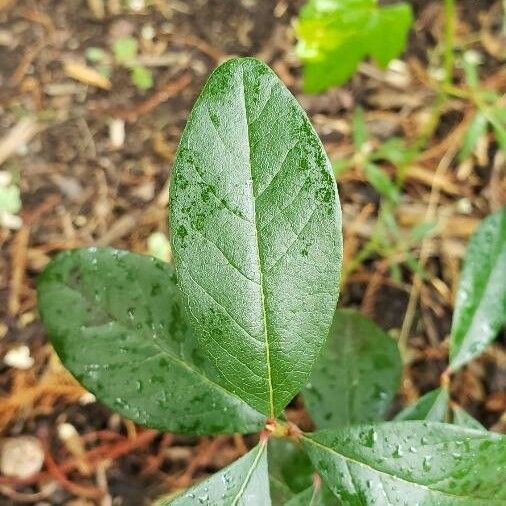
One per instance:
(381, 182)
(279, 490)
(142, 77)
(357, 374)
(312, 496)
(480, 308)
(334, 36)
(433, 407)
(243, 483)
(411, 463)
(288, 464)
(125, 49)
(395, 151)
(463, 419)
(118, 323)
(475, 130)
(499, 125)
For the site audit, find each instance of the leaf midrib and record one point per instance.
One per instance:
(248, 476)
(259, 256)
(384, 473)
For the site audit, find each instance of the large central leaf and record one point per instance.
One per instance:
(256, 232)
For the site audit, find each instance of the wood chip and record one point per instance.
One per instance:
(86, 75)
(17, 137)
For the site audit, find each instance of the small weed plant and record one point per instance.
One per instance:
(223, 340)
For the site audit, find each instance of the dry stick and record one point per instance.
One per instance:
(18, 262)
(430, 214)
(171, 89)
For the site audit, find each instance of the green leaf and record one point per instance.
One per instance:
(279, 490)
(475, 130)
(480, 308)
(463, 419)
(142, 77)
(335, 35)
(411, 463)
(289, 464)
(395, 151)
(125, 49)
(381, 182)
(433, 407)
(243, 483)
(357, 375)
(256, 233)
(312, 496)
(498, 121)
(117, 322)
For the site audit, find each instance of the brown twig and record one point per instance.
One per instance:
(169, 90)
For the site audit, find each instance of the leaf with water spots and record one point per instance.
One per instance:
(480, 308)
(256, 233)
(243, 483)
(117, 322)
(357, 374)
(432, 407)
(410, 463)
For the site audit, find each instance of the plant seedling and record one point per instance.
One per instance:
(334, 36)
(125, 51)
(222, 341)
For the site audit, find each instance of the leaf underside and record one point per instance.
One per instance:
(336, 35)
(480, 308)
(408, 463)
(357, 374)
(256, 233)
(243, 483)
(118, 324)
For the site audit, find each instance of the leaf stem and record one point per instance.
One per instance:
(279, 429)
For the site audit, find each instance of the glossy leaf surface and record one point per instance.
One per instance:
(433, 407)
(357, 374)
(480, 308)
(256, 233)
(117, 322)
(336, 35)
(411, 463)
(243, 483)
